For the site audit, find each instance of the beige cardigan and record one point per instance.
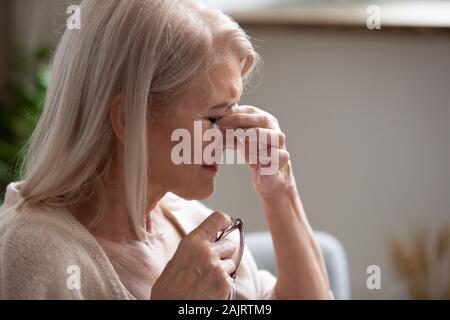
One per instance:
(37, 249)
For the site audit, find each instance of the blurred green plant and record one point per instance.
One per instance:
(21, 100)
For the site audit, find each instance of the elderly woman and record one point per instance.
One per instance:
(103, 212)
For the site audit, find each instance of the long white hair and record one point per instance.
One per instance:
(148, 50)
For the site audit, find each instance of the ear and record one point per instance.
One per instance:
(117, 117)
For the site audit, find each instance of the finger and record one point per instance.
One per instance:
(284, 158)
(262, 152)
(224, 248)
(245, 120)
(228, 265)
(264, 156)
(253, 138)
(248, 109)
(252, 109)
(264, 136)
(217, 221)
(271, 157)
(243, 109)
(272, 165)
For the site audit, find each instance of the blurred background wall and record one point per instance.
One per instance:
(367, 118)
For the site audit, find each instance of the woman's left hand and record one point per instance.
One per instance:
(266, 154)
(302, 273)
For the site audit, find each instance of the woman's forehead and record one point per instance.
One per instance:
(223, 85)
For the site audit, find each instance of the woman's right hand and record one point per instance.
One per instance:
(200, 267)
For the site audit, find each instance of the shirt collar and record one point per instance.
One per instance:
(181, 212)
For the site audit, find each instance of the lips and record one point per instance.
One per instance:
(210, 167)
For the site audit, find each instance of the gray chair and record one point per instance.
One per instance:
(261, 247)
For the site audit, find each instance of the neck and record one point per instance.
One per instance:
(115, 224)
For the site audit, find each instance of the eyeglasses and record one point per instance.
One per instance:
(234, 233)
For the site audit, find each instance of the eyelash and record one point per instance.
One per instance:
(212, 120)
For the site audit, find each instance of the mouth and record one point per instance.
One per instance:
(212, 168)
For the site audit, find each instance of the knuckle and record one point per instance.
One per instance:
(275, 120)
(287, 155)
(232, 265)
(282, 137)
(229, 245)
(239, 117)
(265, 120)
(204, 249)
(218, 271)
(193, 242)
(204, 230)
(222, 217)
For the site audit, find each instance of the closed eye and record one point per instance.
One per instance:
(212, 120)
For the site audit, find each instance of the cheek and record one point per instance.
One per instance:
(159, 149)
(163, 170)
(185, 179)
(192, 136)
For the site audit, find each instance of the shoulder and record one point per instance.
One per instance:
(39, 229)
(39, 250)
(32, 228)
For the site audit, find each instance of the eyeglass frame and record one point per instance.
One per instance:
(239, 225)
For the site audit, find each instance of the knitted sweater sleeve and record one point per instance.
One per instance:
(35, 265)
